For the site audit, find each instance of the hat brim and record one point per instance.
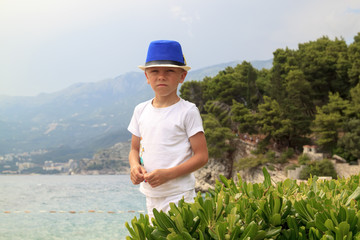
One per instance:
(186, 68)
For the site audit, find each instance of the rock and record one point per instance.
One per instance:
(206, 176)
(255, 175)
(338, 158)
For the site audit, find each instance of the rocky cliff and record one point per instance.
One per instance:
(114, 160)
(206, 176)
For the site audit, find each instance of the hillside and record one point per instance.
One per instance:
(78, 121)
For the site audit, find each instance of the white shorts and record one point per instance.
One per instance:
(162, 203)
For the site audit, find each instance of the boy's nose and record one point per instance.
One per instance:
(161, 76)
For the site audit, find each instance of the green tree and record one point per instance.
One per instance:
(193, 91)
(263, 82)
(329, 121)
(297, 106)
(221, 111)
(353, 110)
(233, 83)
(354, 59)
(247, 74)
(243, 118)
(223, 87)
(324, 63)
(272, 123)
(350, 142)
(218, 137)
(299, 93)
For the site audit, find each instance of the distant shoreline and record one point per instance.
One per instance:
(65, 174)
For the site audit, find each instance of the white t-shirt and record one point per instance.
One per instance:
(165, 134)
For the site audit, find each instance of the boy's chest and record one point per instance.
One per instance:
(162, 126)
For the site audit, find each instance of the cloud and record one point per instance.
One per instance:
(311, 20)
(46, 45)
(179, 13)
(353, 10)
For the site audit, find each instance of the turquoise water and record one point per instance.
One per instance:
(67, 207)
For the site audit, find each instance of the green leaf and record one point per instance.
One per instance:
(235, 233)
(201, 236)
(250, 231)
(272, 232)
(275, 219)
(329, 225)
(249, 215)
(277, 204)
(261, 234)
(209, 209)
(178, 222)
(333, 218)
(164, 221)
(300, 207)
(351, 218)
(267, 178)
(221, 229)
(132, 232)
(174, 209)
(224, 180)
(320, 219)
(197, 222)
(287, 210)
(293, 224)
(202, 216)
(159, 235)
(139, 230)
(354, 196)
(344, 228)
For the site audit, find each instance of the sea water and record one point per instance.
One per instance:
(67, 207)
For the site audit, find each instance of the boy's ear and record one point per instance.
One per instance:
(183, 76)
(147, 79)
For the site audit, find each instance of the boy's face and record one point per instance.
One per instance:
(165, 80)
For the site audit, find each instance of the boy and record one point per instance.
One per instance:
(168, 142)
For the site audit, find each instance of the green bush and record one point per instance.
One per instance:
(285, 210)
(262, 146)
(318, 168)
(291, 167)
(303, 159)
(250, 162)
(271, 156)
(286, 155)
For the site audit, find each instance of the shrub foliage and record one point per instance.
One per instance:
(241, 210)
(319, 168)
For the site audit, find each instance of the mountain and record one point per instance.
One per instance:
(78, 121)
(79, 116)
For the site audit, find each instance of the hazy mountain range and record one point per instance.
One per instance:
(83, 118)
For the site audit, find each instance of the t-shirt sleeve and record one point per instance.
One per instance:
(193, 122)
(133, 125)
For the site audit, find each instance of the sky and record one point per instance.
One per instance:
(48, 45)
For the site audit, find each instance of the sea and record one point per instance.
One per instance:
(72, 207)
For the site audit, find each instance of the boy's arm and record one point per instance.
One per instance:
(136, 170)
(198, 160)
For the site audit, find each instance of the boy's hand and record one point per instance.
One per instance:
(157, 177)
(137, 174)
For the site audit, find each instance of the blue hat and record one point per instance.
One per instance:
(165, 53)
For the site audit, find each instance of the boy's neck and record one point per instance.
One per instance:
(162, 102)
